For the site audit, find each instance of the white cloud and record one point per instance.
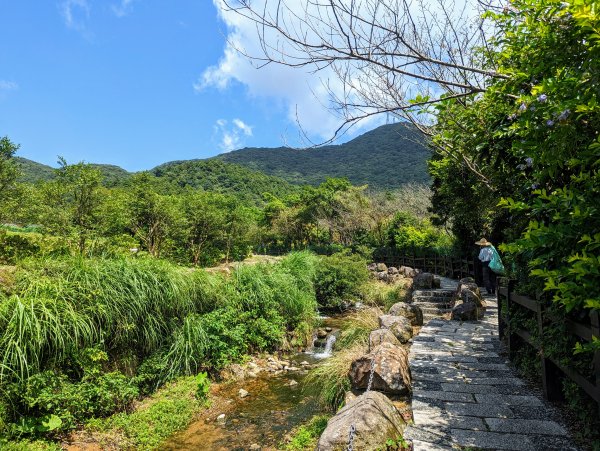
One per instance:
(75, 14)
(6, 85)
(243, 127)
(304, 92)
(230, 135)
(302, 95)
(122, 9)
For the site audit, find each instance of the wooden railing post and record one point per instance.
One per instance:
(509, 335)
(551, 377)
(499, 302)
(595, 326)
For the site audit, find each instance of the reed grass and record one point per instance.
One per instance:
(145, 305)
(330, 378)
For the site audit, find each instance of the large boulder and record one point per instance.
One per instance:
(407, 271)
(398, 325)
(378, 336)
(423, 281)
(410, 311)
(391, 372)
(381, 267)
(375, 420)
(468, 305)
(372, 267)
(392, 270)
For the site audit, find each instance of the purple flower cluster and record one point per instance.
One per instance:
(550, 123)
(529, 162)
(543, 98)
(523, 107)
(564, 115)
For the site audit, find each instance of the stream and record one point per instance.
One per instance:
(274, 406)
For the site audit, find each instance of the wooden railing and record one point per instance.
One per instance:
(552, 371)
(455, 268)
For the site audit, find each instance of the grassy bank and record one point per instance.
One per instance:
(84, 338)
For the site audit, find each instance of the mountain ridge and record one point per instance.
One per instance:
(383, 158)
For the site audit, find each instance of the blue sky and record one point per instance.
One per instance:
(139, 82)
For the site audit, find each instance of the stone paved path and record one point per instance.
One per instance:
(466, 397)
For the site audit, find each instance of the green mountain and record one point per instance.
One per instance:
(33, 172)
(227, 178)
(384, 158)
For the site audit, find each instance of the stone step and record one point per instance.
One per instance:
(423, 305)
(441, 293)
(430, 299)
(427, 318)
(435, 311)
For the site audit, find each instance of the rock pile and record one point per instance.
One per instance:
(391, 274)
(372, 415)
(468, 304)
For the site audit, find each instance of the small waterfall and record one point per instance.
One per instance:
(311, 347)
(327, 351)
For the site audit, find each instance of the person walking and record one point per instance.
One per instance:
(485, 256)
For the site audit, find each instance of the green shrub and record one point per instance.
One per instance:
(51, 402)
(330, 378)
(169, 410)
(338, 280)
(68, 323)
(305, 437)
(15, 246)
(203, 387)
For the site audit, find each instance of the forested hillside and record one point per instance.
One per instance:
(32, 172)
(225, 178)
(384, 158)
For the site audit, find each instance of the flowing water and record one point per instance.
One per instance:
(264, 418)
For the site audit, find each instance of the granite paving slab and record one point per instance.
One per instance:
(465, 395)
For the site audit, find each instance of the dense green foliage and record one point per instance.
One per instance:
(305, 437)
(34, 172)
(385, 159)
(339, 280)
(167, 411)
(218, 176)
(82, 338)
(524, 164)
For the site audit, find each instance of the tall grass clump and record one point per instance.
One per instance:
(264, 301)
(59, 306)
(70, 325)
(358, 326)
(330, 378)
(384, 295)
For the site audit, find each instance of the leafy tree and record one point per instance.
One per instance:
(204, 223)
(81, 185)
(155, 218)
(9, 170)
(69, 204)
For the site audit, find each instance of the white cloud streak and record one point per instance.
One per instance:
(122, 9)
(75, 14)
(231, 135)
(6, 85)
